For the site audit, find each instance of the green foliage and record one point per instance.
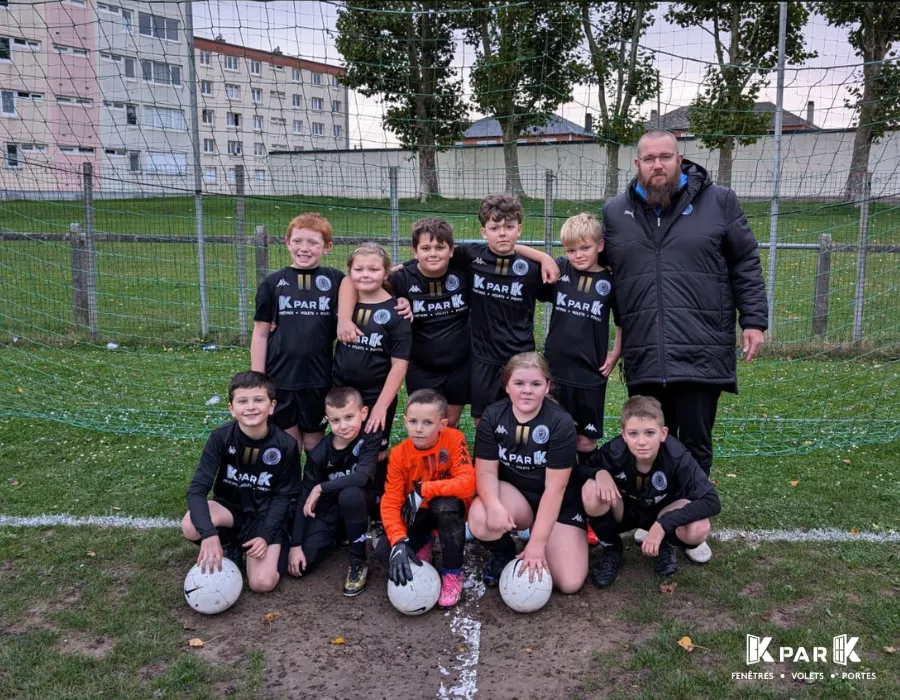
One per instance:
(404, 56)
(746, 43)
(873, 28)
(525, 60)
(623, 72)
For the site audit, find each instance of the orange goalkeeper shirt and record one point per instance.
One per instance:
(444, 470)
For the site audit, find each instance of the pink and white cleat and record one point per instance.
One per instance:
(451, 590)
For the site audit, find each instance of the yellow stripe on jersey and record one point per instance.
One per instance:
(250, 455)
(501, 267)
(363, 316)
(584, 284)
(434, 288)
(304, 281)
(522, 433)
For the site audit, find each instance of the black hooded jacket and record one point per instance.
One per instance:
(680, 277)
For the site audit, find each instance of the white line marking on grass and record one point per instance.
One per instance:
(88, 521)
(469, 631)
(828, 534)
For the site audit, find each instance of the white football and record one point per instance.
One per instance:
(215, 591)
(420, 595)
(523, 595)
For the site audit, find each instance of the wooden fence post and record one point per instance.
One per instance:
(823, 282)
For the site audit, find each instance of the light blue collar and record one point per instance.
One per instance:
(643, 193)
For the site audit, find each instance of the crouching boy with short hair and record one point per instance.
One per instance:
(646, 478)
(253, 470)
(338, 491)
(430, 484)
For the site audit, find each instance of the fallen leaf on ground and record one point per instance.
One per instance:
(195, 642)
(189, 626)
(732, 476)
(270, 617)
(527, 650)
(794, 482)
(890, 650)
(846, 461)
(19, 390)
(668, 587)
(854, 531)
(116, 508)
(337, 641)
(13, 482)
(91, 553)
(686, 644)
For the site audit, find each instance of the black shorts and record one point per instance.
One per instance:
(388, 420)
(571, 512)
(584, 405)
(454, 383)
(487, 386)
(633, 518)
(304, 408)
(245, 529)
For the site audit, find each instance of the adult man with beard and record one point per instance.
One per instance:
(684, 264)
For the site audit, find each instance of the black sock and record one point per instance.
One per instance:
(585, 457)
(504, 547)
(607, 530)
(356, 533)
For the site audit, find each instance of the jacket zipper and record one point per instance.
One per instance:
(662, 341)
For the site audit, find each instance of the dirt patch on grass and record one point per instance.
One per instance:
(752, 590)
(92, 645)
(789, 615)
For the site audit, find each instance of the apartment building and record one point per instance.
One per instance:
(98, 82)
(252, 102)
(107, 83)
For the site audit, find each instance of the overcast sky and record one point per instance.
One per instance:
(306, 29)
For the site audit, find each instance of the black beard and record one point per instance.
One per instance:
(661, 196)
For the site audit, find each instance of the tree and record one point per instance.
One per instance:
(524, 67)
(401, 52)
(624, 73)
(875, 26)
(746, 41)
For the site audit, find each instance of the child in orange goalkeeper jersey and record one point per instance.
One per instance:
(430, 484)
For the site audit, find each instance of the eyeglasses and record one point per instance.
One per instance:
(663, 158)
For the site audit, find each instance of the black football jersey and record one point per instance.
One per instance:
(579, 327)
(303, 305)
(256, 478)
(365, 364)
(335, 469)
(504, 290)
(526, 451)
(440, 305)
(674, 475)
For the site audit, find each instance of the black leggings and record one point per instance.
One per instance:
(350, 510)
(446, 514)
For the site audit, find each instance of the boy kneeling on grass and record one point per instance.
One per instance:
(253, 470)
(430, 485)
(646, 479)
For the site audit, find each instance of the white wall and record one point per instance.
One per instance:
(815, 166)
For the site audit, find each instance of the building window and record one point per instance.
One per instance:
(298, 126)
(276, 94)
(317, 78)
(336, 105)
(161, 73)
(204, 58)
(295, 75)
(278, 121)
(255, 67)
(260, 176)
(32, 45)
(259, 149)
(207, 116)
(5, 50)
(126, 21)
(257, 122)
(233, 119)
(209, 176)
(206, 87)
(317, 104)
(318, 129)
(8, 103)
(234, 148)
(231, 63)
(231, 175)
(167, 163)
(209, 146)
(131, 115)
(134, 161)
(128, 63)
(334, 81)
(277, 67)
(115, 152)
(162, 118)
(12, 156)
(297, 102)
(338, 131)
(257, 95)
(157, 27)
(232, 92)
